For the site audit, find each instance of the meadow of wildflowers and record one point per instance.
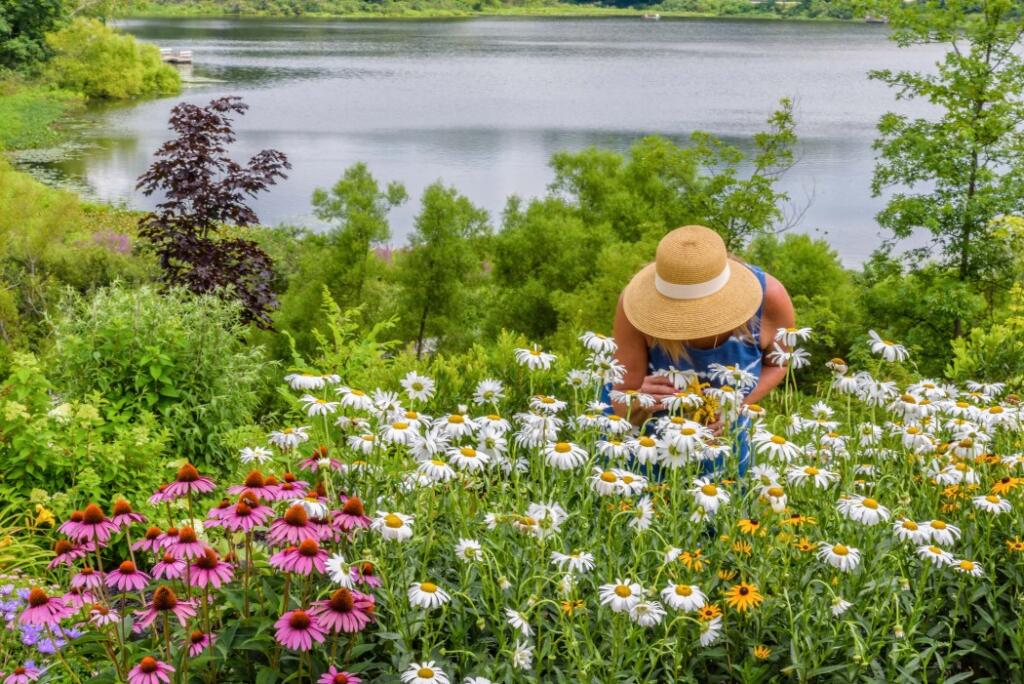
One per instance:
(528, 532)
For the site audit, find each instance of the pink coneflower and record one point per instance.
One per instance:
(164, 601)
(72, 525)
(345, 611)
(312, 463)
(188, 481)
(127, 578)
(101, 616)
(95, 526)
(198, 642)
(297, 630)
(187, 545)
(75, 598)
(255, 483)
(160, 495)
(44, 610)
(87, 579)
(169, 538)
(210, 570)
(246, 514)
(352, 515)
(336, 676)
(301, 560)
(23, 674)
(150, 671)
(366, 573)
(152, 541)
(124, 515)
(169, 568)
(216, 514)
(66, 553)
(292, 528)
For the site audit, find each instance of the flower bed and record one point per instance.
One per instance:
(876, 536)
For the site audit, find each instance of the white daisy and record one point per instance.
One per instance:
(417, 387)
(708, 495)
(992, 503)
(289, 438)
(489, 392)
(424, 673)
(338, 570)
(565, 455)
(255, 455)
(935, 555)
(468, 550)
(647, 613)
(393, 526)
(686, 597)
(621, 595)
(427, 595)
(839, 556)
(598, 343)
(577, 562)
(534, 358)
(518, 621)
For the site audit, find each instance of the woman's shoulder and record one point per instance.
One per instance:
(778, 307)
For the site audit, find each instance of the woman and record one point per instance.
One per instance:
(694, 307)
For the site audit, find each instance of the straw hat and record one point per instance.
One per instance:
(692, 289)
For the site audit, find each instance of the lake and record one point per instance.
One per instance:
(483, 103)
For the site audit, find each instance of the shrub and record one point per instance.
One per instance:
(104, 64)
(179, 357)
(996, 353)
(79, 448)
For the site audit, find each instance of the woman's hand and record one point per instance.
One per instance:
(717, 427)
(658, 386)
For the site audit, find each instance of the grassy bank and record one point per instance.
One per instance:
(30, 114)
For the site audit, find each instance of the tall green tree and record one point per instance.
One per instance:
(23, 28)
(358, 208)
(442, 263)
(955, 171)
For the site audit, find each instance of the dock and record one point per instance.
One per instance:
(170, 56)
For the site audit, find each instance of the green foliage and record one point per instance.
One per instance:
(77, 450)
(29, 112)
(663, 185)
(996, 353)
(962, 167)
(23, 28)
(50, 240)
(105, 64)
(181, 358)
(919, 308)
(824, 293)
(359, 209)
(440, 266)
(345, 346)
(24, 536)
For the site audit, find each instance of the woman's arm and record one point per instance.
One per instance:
(777, 313)
(632, 353)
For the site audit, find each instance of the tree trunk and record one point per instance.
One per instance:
(419, 336)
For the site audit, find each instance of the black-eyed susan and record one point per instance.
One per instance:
(1005, 484)
(762, 652)
(1015, 545)
(743, 548)
(693, 560)
(743, 597)
(796, 520)
(570, 608)
(751, 526)
(709, 612)
(726, 574)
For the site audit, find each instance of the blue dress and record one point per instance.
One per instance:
(735, 351)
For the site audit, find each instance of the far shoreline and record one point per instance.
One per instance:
(169, 12)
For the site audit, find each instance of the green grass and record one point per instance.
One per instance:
(29, 112)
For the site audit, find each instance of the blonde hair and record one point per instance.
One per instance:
(676, 349)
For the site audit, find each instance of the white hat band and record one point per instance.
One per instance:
(694, 290)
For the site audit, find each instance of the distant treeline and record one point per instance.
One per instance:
(839, 9)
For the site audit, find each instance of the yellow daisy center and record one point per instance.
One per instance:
(966, 565)
(840, 550)
(776, 439)
(563, 447)
(623, 591)
(938, 525)
(709, 490)
(393, 521)
(869, 503)
(428, 587)
(683, 590)
(608, 476)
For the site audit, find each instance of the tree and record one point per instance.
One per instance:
(103, 63)
(205, 190)
(662, 185)
(956, 171)
(23, 28)
(359, 209)
(442, 261)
